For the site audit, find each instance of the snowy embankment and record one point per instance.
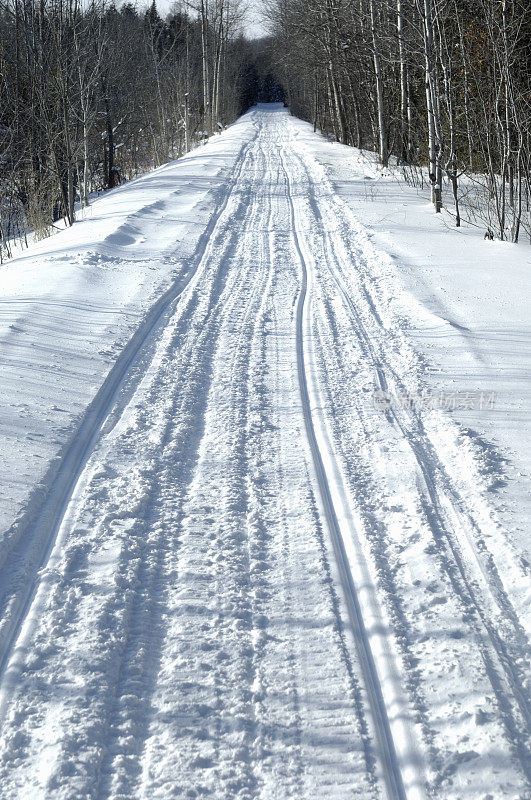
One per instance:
(264, 559)
(70, 304)
(465, 303)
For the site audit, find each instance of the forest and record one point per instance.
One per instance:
(442, 84)
(95, 94)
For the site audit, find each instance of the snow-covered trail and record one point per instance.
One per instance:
(251, 576)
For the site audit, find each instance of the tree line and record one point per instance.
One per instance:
(93, 94)
(442, 84)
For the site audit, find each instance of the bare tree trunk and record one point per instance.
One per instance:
(466, 92)
(315, 102)
(207, 115)
(186, 123)
(382, 128)
(404, 86)
(433, 143)
(216, 83)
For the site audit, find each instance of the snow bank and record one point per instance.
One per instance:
(465, 303)
(70, 304)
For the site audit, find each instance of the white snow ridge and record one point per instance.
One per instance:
(245, 554)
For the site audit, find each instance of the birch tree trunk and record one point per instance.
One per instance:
(433, 143)
(382, 127)
(207, 115)
(404, 85)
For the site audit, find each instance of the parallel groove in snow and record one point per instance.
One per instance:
(440, 494)
(224, 607)
(35, 538)
(386, 751)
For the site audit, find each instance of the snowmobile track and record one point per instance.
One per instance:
(386, 748)
(36, 535)
(247, 580)
(439, 493)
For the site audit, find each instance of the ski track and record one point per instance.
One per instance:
(474, 580)
(227, 592)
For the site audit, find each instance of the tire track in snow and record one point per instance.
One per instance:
(179, 446)
(36, 536)
(442, 507)
(363, 490)
(121, 719)
(293, 711)
(201, 756)
(392, 775)
(389, 380)
(410, 422)
(449, 553)
(137, 723)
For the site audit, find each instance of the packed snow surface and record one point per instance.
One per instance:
(263, 477)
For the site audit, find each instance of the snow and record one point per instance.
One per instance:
(250, 548)
(465, 302)
(70, 304)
